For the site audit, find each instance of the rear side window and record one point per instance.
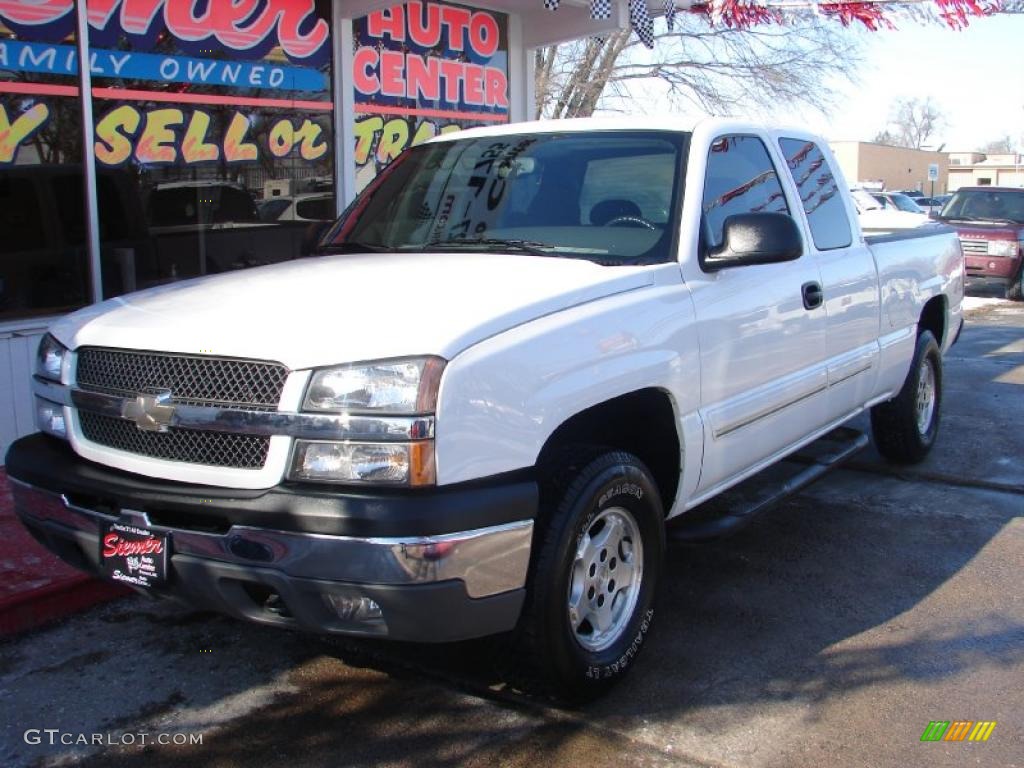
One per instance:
(740, 179)
(819, 193)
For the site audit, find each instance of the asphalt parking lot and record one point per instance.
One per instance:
(828, 633)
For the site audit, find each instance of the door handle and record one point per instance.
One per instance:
(813, 295)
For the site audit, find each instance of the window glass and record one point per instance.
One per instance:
(819, 193)
(642, 188)
(580, 195)
(44, 264)
(408, 64)
(740, 179)
(195, 130)
(986, 205)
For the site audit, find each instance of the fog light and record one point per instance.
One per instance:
(383, 463)
(354, 608)
(50, 418)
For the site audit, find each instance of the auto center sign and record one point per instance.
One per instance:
(423, 68)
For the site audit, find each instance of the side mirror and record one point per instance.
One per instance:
(756, 238)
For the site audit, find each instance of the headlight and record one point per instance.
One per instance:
(377, 463)
(50, 418)
(50, 358)
(389, 386)
(1002, 248)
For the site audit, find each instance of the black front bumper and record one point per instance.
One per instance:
(445, 564)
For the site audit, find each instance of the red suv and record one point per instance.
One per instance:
(990, 222)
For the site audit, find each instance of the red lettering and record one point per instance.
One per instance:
(390, 22)
(114, 546)
(136, 15)
(109, 550)
(474, 79)
(234, 23)
(424, 77)
(483, 34)
(37, 13)
(497, 87)
(426, 34)
(363, 75)
(452, 72)
(457, 21)
(392, 70)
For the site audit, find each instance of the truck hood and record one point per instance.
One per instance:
(336, 309)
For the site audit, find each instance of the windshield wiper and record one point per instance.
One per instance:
(523, 246)
(350, 246)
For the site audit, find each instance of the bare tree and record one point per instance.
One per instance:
(1003, 146)
(912, 123)
(719, 70)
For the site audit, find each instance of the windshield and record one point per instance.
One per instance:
(904, 203)
(864, 200)
(607, 196)
(986, 205)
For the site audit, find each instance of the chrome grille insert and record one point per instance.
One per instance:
(974, 246)
(191, 379)
(215, 449)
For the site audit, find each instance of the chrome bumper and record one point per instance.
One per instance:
(488, 561)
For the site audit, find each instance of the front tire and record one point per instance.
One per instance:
(590, 594)
(905, 427)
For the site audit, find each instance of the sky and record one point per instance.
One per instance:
(975, 76)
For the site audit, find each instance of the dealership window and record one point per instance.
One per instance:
(819, 193)
(218, 151)
(424, 69)
(44, 262)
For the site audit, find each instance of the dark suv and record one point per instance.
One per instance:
(990, 222)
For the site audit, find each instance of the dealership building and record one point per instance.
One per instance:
(213, 136)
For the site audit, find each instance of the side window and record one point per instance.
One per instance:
(740, 179)
(819, 192)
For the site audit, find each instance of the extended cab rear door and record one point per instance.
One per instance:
(849, 275)
(761, 334)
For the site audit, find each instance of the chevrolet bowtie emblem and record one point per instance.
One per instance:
(151, 413)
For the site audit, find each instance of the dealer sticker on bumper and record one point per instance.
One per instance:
(134, 556)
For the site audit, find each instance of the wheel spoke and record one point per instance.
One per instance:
(609, 535)
(623, 573)
(602, 616)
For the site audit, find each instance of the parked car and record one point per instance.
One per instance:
(521, 352)
(307, 207)
(990, 223)
(877, 217)
(897, 200)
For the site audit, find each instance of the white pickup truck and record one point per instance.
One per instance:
(520, 351)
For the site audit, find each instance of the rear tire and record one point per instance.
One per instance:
(598, 554)
(905, 427)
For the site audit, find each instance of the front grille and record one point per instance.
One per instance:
(215, 449)
(974, 246)
(191, 379)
